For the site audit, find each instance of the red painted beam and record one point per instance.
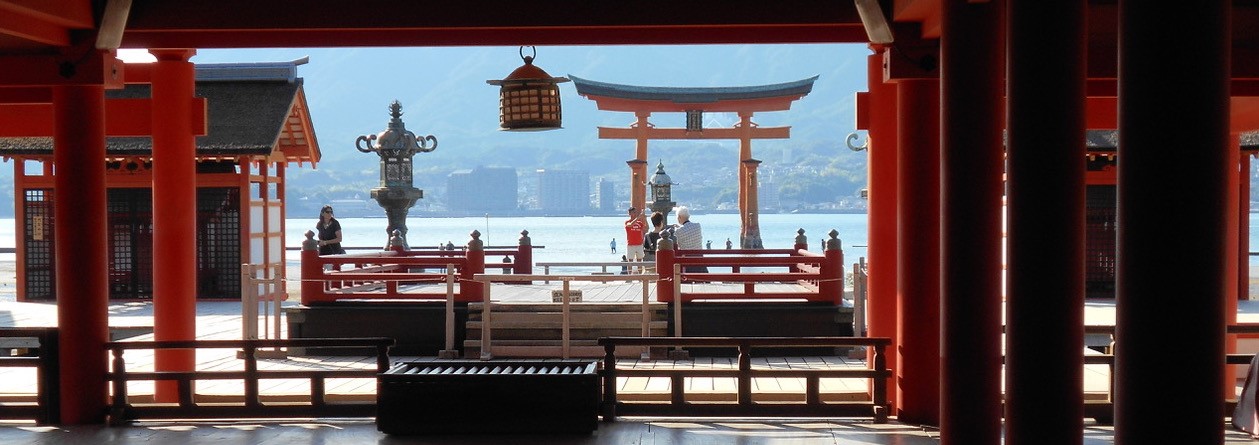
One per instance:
(681, 133)
(123, 117)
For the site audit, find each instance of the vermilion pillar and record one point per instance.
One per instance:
(638, 166)
(1045, 216)
(174, 213)
(1232, 263)
(971, 158)
(918, 242)
(881, 227)
(82, 250)
(1173, 122)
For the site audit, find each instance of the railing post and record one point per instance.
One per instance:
(565, 318)
(469, 289)
(312, 271)
(524, 256)
(49, 378)
(745, 373)
(118, 409)
(251, 375)
(802, 243)
(450, 352)
(664, 267)
(831, 283)
(609, 381)
(248, 302)
(879, 395)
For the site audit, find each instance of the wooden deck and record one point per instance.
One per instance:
(221, 320)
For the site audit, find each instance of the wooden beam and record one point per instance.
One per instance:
(681, 133)
(85, 66)
(123, 117)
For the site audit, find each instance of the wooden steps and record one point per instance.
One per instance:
(536, 330)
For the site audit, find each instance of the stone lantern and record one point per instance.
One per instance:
(661, 193)
(396, 193)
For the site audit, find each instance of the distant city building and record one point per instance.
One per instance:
(482, 190)
(564, 191)
(607, 196)
(770, 203)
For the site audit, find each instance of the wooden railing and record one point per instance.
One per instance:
(122, 410)
(1103, 410)
(813, 405)
(487, 344)
(822, 274)
(47, 407)
(384, 274)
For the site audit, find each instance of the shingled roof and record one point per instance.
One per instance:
(248, 109)
(587, 87)
(1108, 140)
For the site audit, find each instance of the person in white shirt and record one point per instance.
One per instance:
(689, 235)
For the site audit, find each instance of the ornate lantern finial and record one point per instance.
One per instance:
(529, 98)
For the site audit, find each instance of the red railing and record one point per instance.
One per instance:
(822, 274)
(384, 275)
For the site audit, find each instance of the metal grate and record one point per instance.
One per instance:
(218, 243)
(1100, 246)
(413, 368)
(130, 243)
(37, 205)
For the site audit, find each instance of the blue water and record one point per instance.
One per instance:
(585, 239)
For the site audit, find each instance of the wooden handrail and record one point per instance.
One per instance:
(47, 410)
(876, 371)
(120, 410)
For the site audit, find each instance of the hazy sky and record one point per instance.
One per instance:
(443, 90)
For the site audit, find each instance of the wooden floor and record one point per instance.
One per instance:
(221, 320)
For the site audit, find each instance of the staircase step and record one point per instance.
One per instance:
(497, 324)
(557, 307)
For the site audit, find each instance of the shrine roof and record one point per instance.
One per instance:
(692, 95)
(248, 111)
(1108, 140)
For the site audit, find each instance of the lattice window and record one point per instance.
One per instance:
(41, 284)
(130, 243)
(218, 243)
(1100, 246)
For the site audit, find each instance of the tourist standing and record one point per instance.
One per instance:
(729, 244)
(613, 245)
(329, 232)
(635, 228)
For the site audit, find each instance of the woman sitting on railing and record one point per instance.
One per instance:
(329, 233)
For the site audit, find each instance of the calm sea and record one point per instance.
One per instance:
(587, 238)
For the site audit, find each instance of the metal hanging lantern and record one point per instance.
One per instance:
(529, 98)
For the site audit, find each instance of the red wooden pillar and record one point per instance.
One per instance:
(469, 289)
(1233, 265)
(312, 274)
(1045, 208)
(918, 243)
(1160, 300)
(524, 255)
(831, 287)
(664, 266)
(971, 93)
(881, 228)
(174, 213)
(81, 250)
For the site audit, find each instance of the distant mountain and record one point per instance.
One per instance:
(443, 93)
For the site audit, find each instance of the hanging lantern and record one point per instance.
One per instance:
(529, 98)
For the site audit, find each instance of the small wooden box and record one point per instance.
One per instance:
(472, 396)
(574, 296)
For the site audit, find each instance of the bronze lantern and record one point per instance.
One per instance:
(529, 98)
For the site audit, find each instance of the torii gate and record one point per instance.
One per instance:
(642, 101)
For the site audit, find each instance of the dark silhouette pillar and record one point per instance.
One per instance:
(918, 242)
(1045, 208)
(174, 214)
(882, 264)
(1173, 122)
(82, 250)
(971, 93)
